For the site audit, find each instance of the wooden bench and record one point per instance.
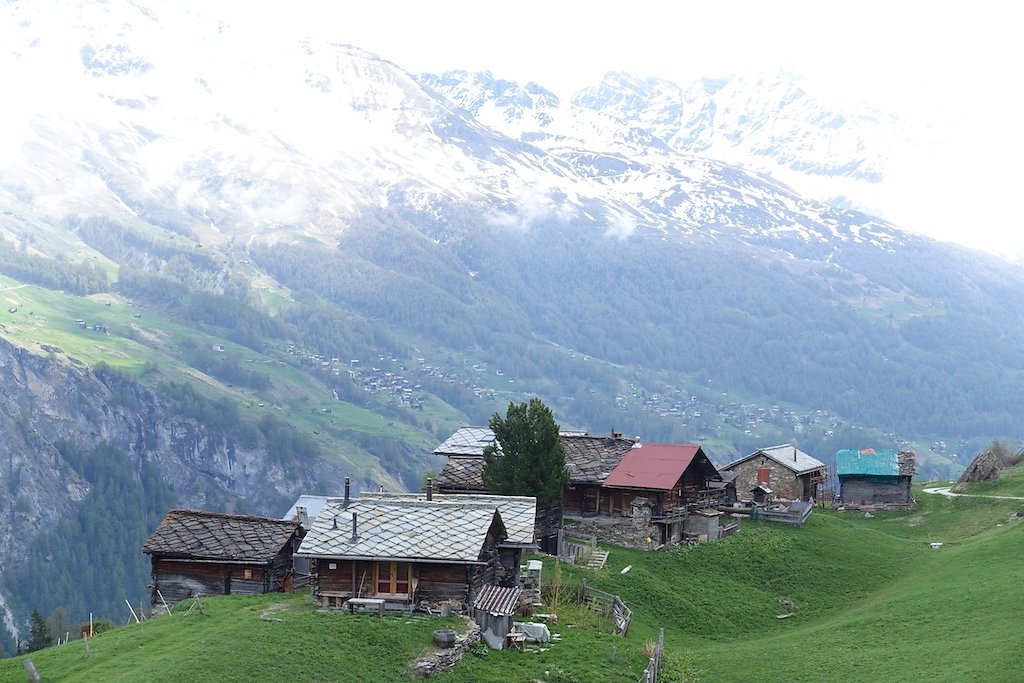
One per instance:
(366, 603)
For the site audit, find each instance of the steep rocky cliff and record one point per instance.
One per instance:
(47, 400)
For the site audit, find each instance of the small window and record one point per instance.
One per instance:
(332, 565)
(247, 574)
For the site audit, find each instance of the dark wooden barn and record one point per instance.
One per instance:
(875, 477)
(194, 552)
(405, 551)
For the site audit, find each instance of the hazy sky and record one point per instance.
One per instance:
(948, 64)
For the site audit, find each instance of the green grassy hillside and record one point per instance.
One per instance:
(870, 599)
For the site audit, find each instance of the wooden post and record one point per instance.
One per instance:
(161, 596)
(132, 610)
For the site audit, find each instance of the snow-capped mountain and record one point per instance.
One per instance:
(766, 124)
(299, 135)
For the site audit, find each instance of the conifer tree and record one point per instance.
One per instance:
(40, 634)
(527, 458)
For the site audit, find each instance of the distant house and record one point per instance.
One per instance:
(875, 477)
(685, 478)
(789, 472)
(406, 551)
(194, 552)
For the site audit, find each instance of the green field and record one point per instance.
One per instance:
(870, 601)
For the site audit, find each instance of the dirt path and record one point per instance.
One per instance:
(948, 492)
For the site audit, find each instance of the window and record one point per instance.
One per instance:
(762, 475)
(393, 577)
(247, 574)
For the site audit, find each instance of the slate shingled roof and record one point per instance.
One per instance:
(518, 513)
(432, 531)
(462, 474)
(589, 458)
(201, 535)
(786, 455)
(466, 441)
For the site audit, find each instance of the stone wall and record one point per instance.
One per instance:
(445, 658)
(781, 480)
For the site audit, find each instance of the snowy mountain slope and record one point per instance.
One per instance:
(299, 137)
(766, 124)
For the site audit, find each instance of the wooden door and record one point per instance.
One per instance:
(393, 578)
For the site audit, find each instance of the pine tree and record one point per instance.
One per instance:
(40, 633)
(528, 458)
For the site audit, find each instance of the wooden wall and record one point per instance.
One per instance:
(860, 490)
(177, 580)
(443, 582)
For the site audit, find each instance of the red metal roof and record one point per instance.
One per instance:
(652, 466)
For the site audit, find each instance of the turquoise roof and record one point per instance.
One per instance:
(881, 462)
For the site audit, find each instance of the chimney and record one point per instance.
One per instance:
(303, 515)
(355, 537)
(430, 488)
(380, 489)
(335, 525)
(794, 453)
(344, 504)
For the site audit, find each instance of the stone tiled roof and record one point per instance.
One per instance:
(462, 474)
(438, 531)
(591, 458)
(466, 441)
(786, 455)
(518, 513)
(196, 534)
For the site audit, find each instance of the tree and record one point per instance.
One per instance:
(40, 633)
(528, 458)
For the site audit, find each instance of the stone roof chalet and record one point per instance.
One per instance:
(590, 459)
(201, 535)
(786, 455)
(402, 530)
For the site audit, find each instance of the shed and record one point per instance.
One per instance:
(194, 552)
(494, 610)
(875, 477)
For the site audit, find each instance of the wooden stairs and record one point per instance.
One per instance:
(597, 559)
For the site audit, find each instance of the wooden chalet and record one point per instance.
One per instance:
(672, 479)
(789, 472)
(405, 551)
(194, 552)
(875, 477)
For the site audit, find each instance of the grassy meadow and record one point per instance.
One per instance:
(870, 601)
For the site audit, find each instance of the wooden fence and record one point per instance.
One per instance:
(609, 604)
(650, 674)
(570, 550)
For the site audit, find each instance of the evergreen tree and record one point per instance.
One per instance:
(40, 635)
(528, 458)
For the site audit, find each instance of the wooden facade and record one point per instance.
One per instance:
(194, 552)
